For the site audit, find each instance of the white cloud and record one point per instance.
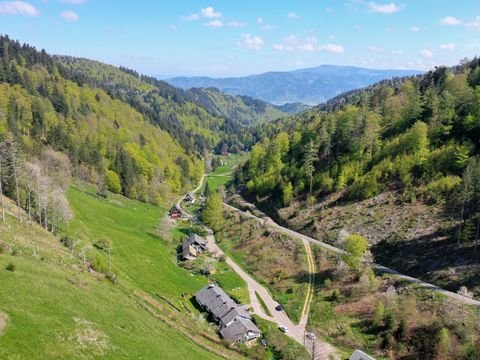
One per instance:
(309, 44)
(293, 15)
(329, 10)
(214, 24)
(74, 1)
(69, 16)
(384, 8)
(426, 53)
(451, 21)
(397, 52)
(259, 21)
(448, 46)
(292, 43)
(251, 42)
(415, 29)
(236, 24)
(18, 8)
(210, 13)
(191, 17)
(173, 28)
(283, 47)
(377, 49)
(333, 48)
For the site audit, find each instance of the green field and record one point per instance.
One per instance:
(55, 308)
(222, 175)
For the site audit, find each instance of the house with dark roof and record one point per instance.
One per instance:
(235, 321)
(189, 198)
(193, 246)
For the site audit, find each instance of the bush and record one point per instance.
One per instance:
(356, 246)
(112, 277)
(113, 182)
(4, 248)
(327, 283)
(97, 262)
(439, 189)
(67, 241)
(103, 244)
(379, 314)
(10, 267)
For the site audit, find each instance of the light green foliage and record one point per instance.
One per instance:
(379, 314)
(443, 344)
(355, 246)
(287, 193)
(113, 182)
(212, 214)
(439, 189)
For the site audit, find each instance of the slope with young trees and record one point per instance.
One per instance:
(397, 162)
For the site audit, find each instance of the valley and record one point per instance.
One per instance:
(327, 211)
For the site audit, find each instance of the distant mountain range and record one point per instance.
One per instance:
(309, 86)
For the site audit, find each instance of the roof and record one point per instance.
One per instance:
(193, 239)
(360, 355)
(239, 311)
(235, 321)
(240, 329)
(177, 208)
(215, 300)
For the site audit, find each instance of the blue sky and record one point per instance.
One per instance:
(239, 37)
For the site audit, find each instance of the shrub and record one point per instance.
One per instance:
(379, 314)
(113, 182)
(112, 277)
(443, 344)
(4, 248)
(103, 244)
(97, 261)
(10, 267)
(67, 241)
(356, 246)
(327, 283)
(439, 189)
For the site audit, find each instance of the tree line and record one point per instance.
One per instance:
(418, 136)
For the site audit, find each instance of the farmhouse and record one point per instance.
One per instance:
(189, 198)
(175, 212)
(192, 246)
(235, 322)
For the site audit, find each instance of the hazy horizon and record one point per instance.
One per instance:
(226, 39)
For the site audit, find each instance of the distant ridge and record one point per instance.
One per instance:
(309, 86)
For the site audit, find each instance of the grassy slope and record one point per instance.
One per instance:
(138, 255)
(56, 309)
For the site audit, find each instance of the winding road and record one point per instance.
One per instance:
(320, 350)
(269, 222)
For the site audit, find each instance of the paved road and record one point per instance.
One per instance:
(296, 332)
(322, 350)
(294, 234)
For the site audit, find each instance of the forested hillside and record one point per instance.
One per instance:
(52, 127)
(197, 118)
(409, 148)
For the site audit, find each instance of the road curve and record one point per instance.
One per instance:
(269, 222)
(320, 349)
(296, 332)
